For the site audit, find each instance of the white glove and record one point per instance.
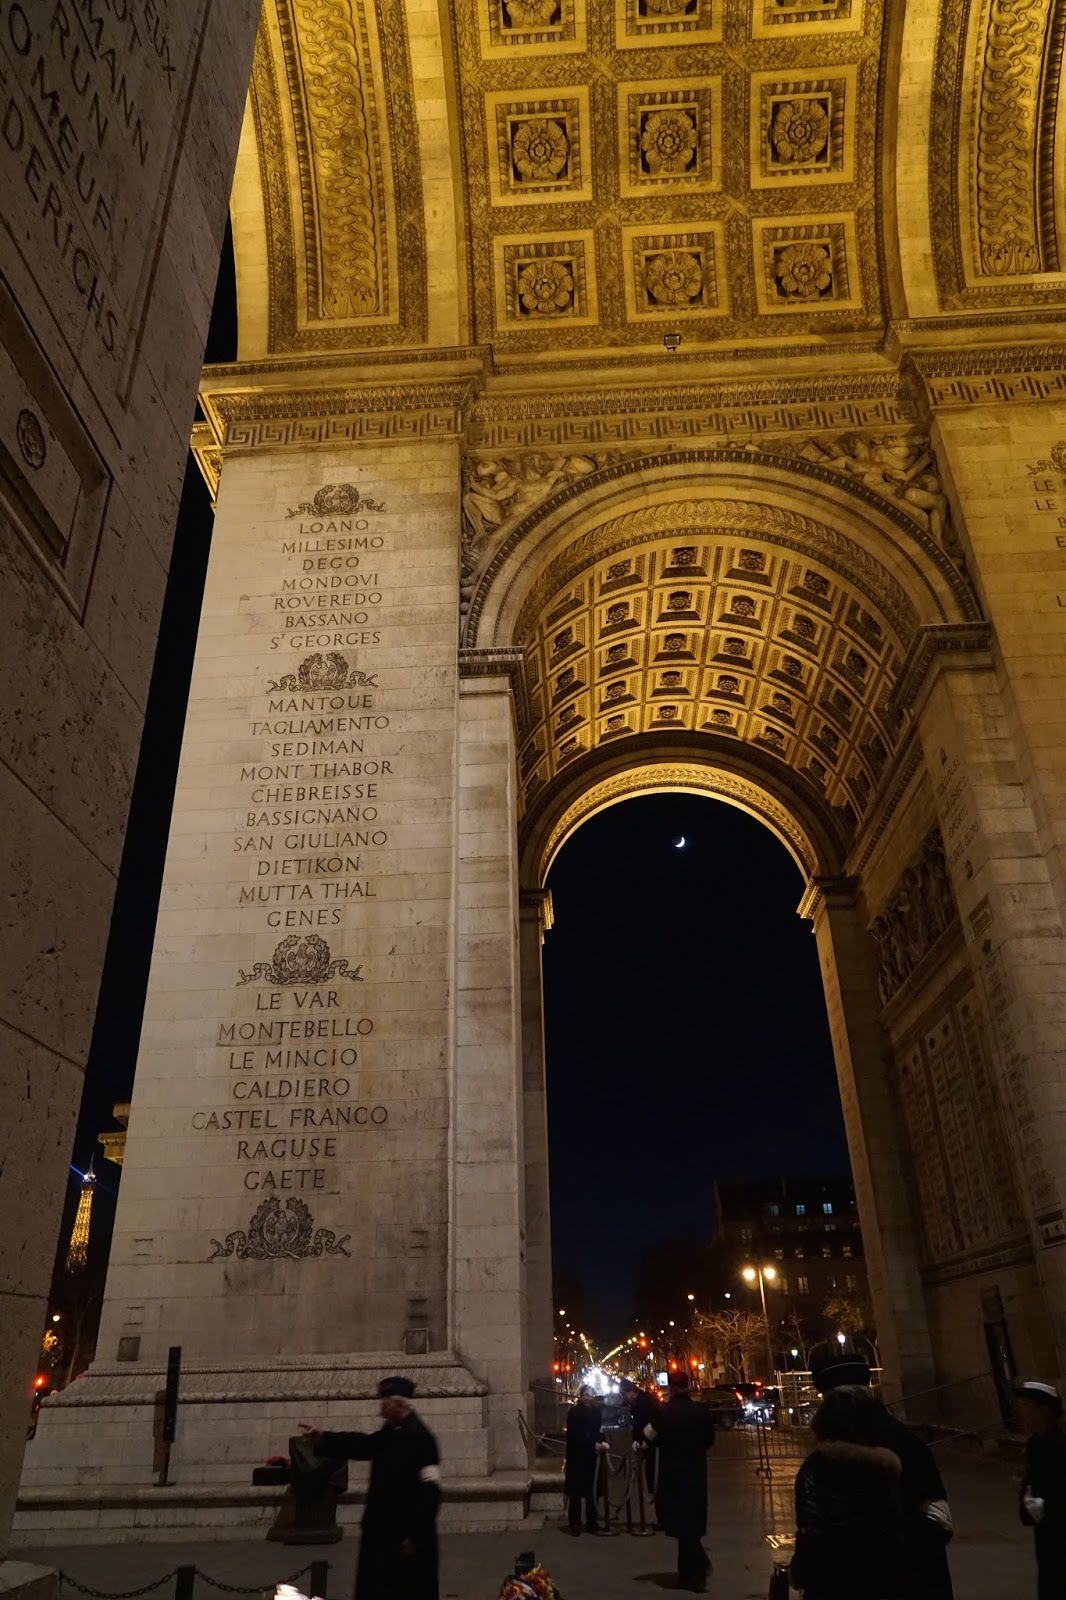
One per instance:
(938, 1511)
(1034, 1508)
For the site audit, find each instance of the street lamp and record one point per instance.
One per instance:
(763, 1275)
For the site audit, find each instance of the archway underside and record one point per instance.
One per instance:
(723, 642)
(679, 776)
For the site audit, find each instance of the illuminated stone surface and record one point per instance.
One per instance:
(726, 452)
(119, 131)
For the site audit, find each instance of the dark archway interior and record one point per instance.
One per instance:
(686, 1034)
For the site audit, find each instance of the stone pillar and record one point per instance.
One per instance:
(324, 1047)
(536, 920)
(115, 184)
(488, 1219)
(848, 962)
(995, 745)
(1010, 920)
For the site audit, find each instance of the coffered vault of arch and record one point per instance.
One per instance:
(560, 177)
(727, 606)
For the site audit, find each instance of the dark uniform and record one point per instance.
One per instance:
(642, 1411)
(683, 1432)
(850, 1536)
(921, 1485)
(398, 1550)
(1045, 1479)
(583, 1434)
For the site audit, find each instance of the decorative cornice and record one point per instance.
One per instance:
(249, 419)
(660, 414)
(986, 374)
(538, 903)
(492, 663)
(927, 645)
(503, 661)
(836, 893)
(207, 454)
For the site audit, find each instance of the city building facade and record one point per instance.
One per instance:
(806, 1231)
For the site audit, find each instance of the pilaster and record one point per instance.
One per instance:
(847, 959)
(489, 1310)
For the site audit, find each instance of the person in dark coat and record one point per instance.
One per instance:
(1043, 1497)
(584, 1441)
(926, 1513)
(683, 1433)
(642, 1411)
(398, 1549)
(850, 1534)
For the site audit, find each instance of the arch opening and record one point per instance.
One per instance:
(701, 1098)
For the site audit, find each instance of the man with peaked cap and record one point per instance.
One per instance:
(1043, 1498)
(927, 1516)
(684, 1433)
(398, 1549)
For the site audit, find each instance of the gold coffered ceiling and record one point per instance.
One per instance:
(723, 634)
(692, 166)
(561, 180)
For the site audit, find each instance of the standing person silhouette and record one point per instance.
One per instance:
(1043, 1497)
(926, 1513)
(398, 1549)
(584, 1441)
(683, 1432)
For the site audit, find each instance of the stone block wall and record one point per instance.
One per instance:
(109, 252)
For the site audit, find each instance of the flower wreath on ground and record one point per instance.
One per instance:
(536, 1584)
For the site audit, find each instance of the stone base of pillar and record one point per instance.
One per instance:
(21, 1581)
(104, 1430)
(121, 1514)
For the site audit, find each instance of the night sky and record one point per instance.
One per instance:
(686, 1031)
(687, 1038)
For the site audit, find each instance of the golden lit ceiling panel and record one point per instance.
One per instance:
(641, 166)
(331, 97)
(721, 634)
(998, 140)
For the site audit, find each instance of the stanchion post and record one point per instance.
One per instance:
(184, 1580)
(319, 1579)
(170, 1411)
(643, 1531)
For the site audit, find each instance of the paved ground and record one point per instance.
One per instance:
(991, 1558)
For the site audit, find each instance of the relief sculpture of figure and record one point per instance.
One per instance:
(497, 494)
(901, 469)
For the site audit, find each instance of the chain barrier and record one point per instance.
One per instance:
(116, 1594)
(256, 1588)
(191, 1573)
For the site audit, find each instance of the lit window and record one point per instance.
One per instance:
(775, 1210)
(800, 1253)
(850, 1280)
(826, 1252)
(780, 1255)
(801, 1211)
(847, 1250)
(784, 1285)
(803, 1286)
(745, 1234)
(827, 1207)
(832, 1282)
